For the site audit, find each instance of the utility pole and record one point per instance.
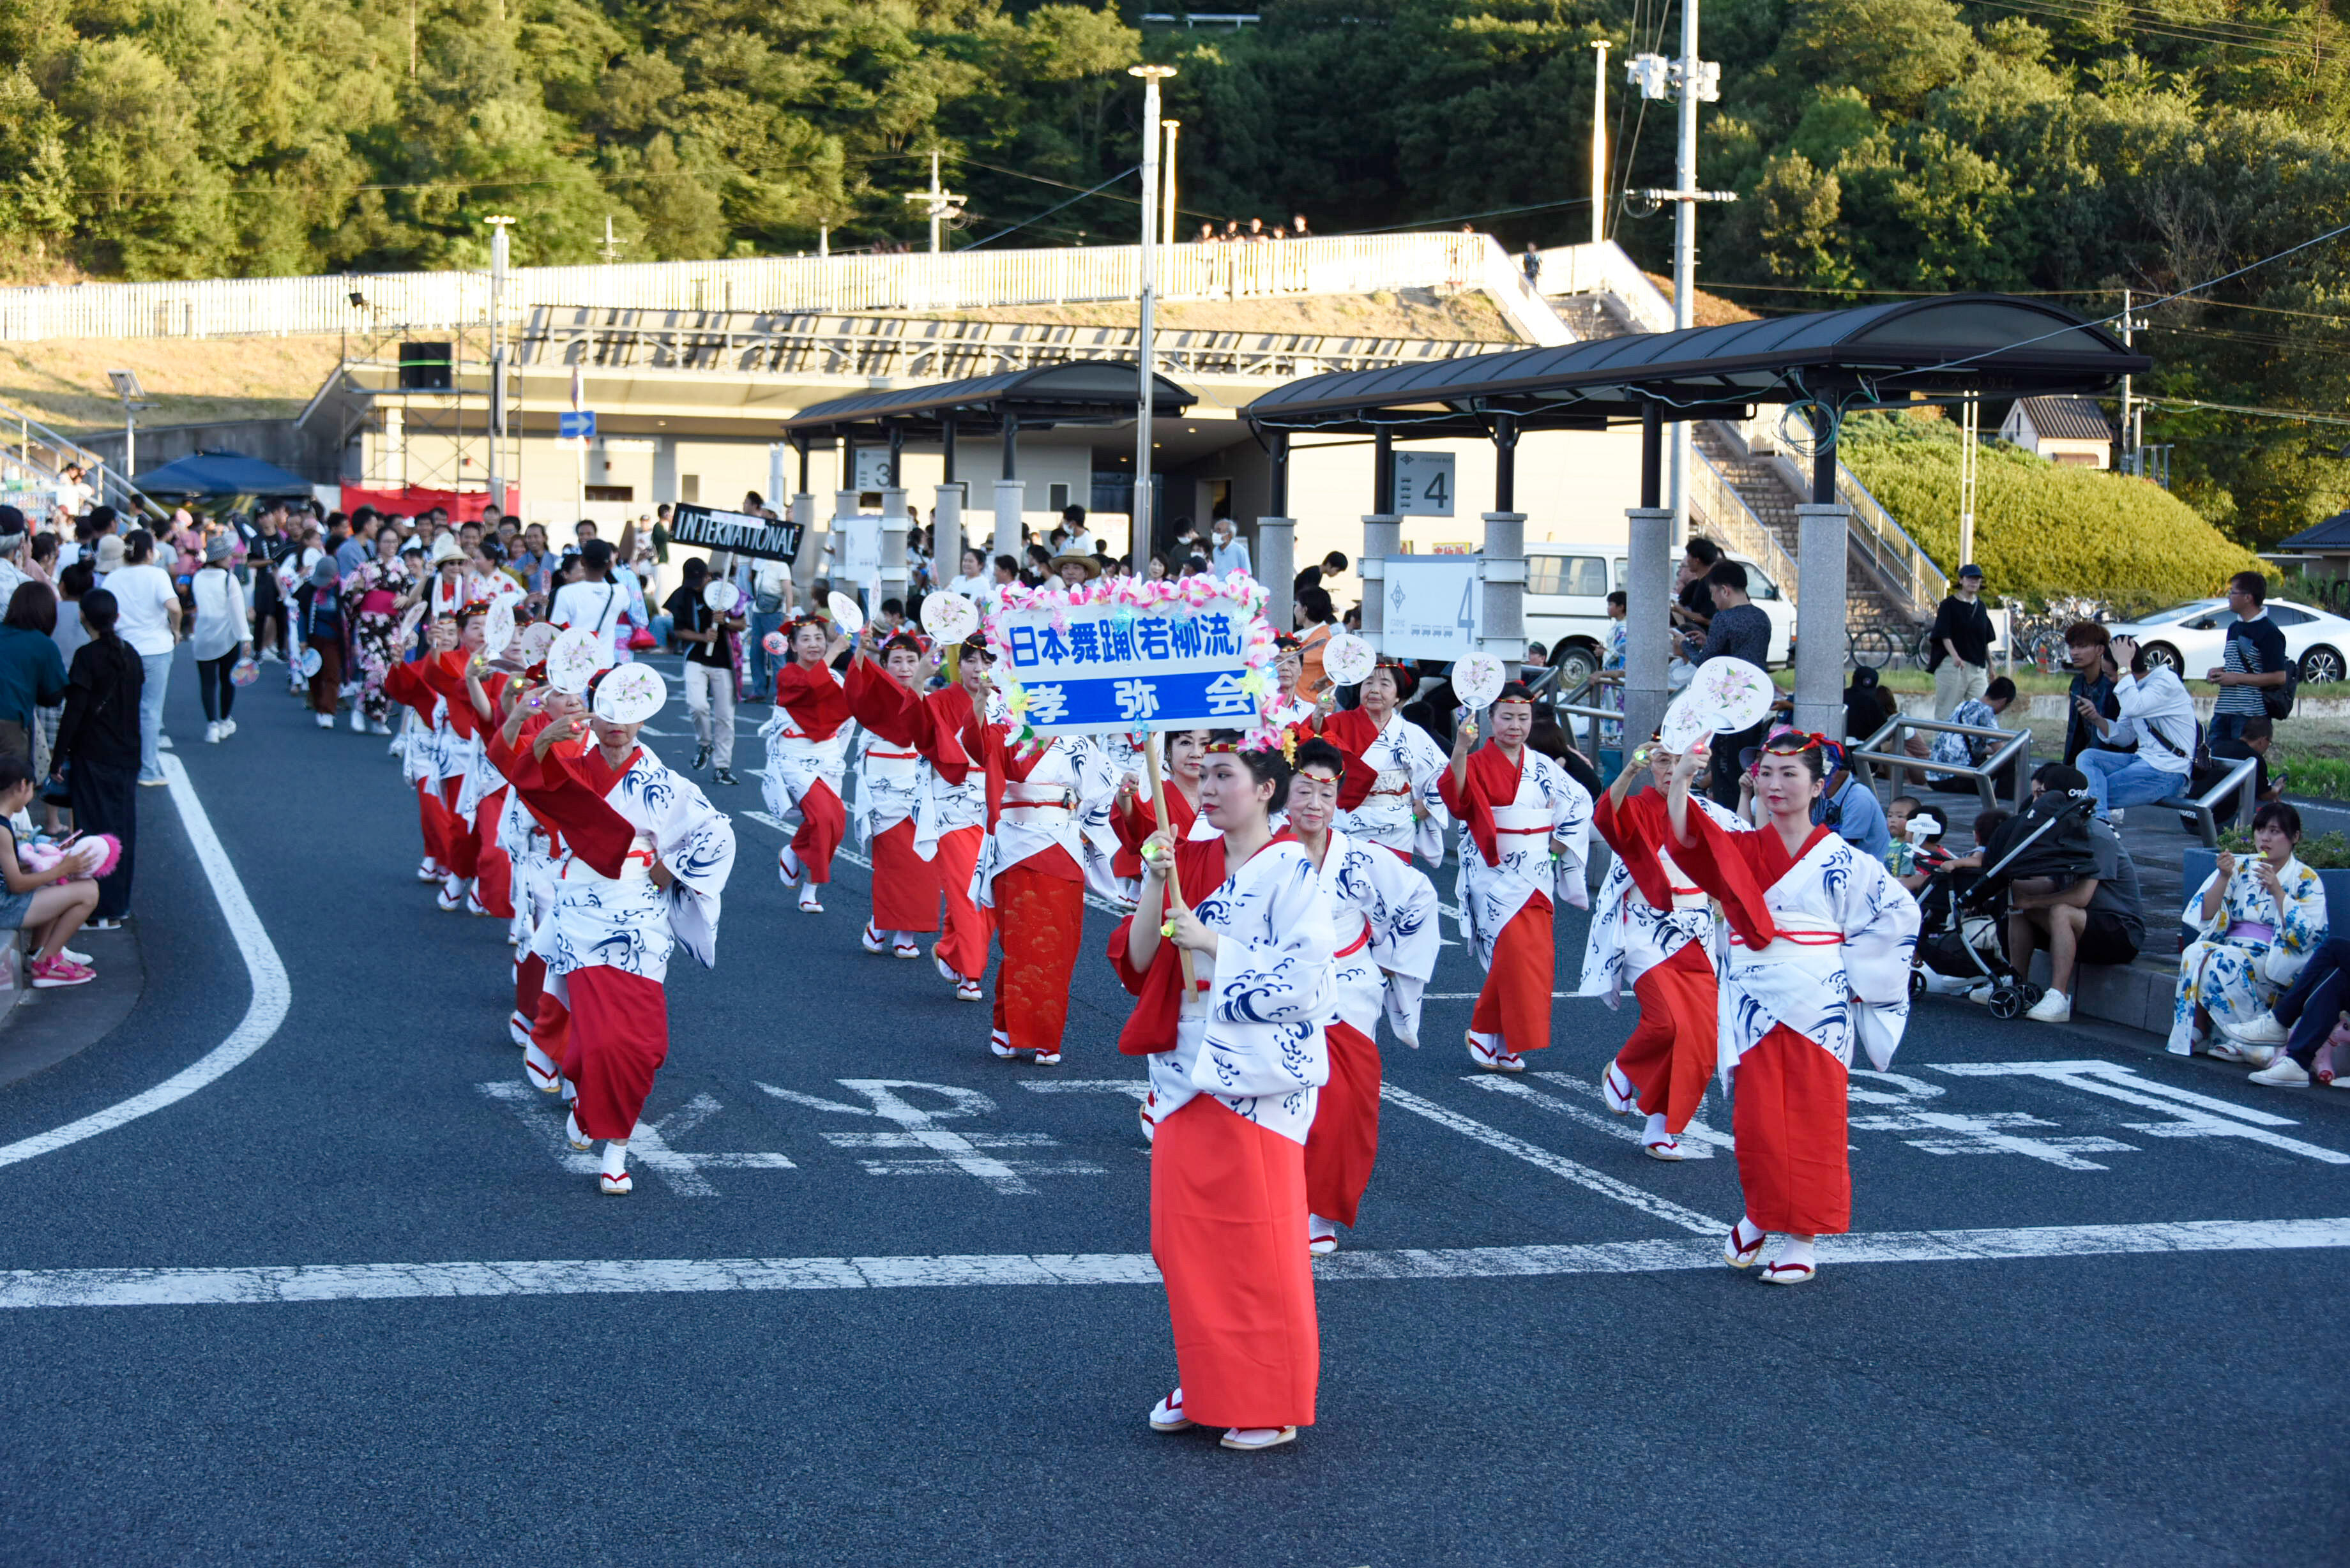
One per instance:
(1692, 81)
(498, 227)
(1599, 146)
(1970, 448)
(134, 398)
(940, 204)
(1139, 543)
(2130, 462)
(611, 246)
(1167, 230)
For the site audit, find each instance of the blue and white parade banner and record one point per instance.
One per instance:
(1124, 655)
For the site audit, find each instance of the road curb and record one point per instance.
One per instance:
(46, 1027)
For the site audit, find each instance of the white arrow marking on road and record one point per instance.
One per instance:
(29, 1288)
(1558, 1165)
(2189, 1111)
(271, 993)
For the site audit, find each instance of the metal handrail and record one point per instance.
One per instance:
(2204, 807)
(2014, 752)
(1727, 514)
(1597, 716)
(1897, 557)
(114, 489)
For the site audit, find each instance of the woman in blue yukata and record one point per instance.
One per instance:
(2255, 923)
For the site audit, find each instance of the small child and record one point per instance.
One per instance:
(1900, 855)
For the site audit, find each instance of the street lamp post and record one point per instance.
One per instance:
(498, 226)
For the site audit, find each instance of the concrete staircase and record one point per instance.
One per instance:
(1762, 484)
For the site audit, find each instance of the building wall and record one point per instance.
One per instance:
(308, 451)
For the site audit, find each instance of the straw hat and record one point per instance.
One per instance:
(1091, 566)
(109, 553)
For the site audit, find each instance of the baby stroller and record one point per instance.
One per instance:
(1961, 912)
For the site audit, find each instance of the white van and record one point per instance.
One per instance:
(1566, 604)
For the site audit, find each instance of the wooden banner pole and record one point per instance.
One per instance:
(1174, 880)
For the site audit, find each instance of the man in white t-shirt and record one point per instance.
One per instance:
(148, 618)
(595, 601)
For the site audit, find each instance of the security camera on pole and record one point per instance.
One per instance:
(1139, 544)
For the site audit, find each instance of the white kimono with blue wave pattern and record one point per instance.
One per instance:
(1254, 1039)
(1366, 886)
(632, 924)
(1826, 993)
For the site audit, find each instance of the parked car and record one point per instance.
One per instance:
(1566, 605)
(2191, 637)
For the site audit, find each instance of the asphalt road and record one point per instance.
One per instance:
(2089, 1315)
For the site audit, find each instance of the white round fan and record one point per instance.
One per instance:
(721, 596)
(1347, 659)
(950, 618)
(847, 614)
(497, 628)
(573, 659)
(630, 694)
(1477, 679)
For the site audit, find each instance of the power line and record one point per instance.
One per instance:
(1048, 212)
(1465, 217)
(2301, 414)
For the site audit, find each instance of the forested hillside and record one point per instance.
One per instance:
(2067, 147)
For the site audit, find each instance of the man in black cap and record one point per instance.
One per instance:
(1961, 659)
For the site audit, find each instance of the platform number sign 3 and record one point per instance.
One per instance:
(1424, 482)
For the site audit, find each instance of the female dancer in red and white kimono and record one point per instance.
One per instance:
(1134, 817)
(950, 815)
(481, 795)
(807, 752)
(1235, 1060)
(541, 1022)
(893, 722)
(1821, 938)
(1384, 913)
(1526, 823)
(650, 858)
(1393, 797)
(1033, 870)
(1652, 933)
(434, 687)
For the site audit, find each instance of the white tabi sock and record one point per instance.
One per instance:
(1317, 1227)
(616, 1158)
(1656, 1132)
(1796, 1252)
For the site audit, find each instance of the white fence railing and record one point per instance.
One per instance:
(956, 280)
(1605, 269)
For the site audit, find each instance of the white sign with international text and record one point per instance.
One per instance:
(1432, 606)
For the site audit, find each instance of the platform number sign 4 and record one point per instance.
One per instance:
(1424, 482)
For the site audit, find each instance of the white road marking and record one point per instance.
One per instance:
(2192, 1114)
(286, 1285)
(1698, 1131)
(952, 1153)
(1139, 1089)
(1624, 1129)
(844, 853)
(1473, 995)
(649, 1146)
(272, 996)
(1558, 1165)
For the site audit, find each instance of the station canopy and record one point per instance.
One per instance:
(1080, 392)
(1877, 356)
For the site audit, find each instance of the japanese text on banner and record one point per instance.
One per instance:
(1120, 667)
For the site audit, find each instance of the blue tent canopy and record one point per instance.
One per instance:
(221, 473)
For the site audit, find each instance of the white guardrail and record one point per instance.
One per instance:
(956, 280)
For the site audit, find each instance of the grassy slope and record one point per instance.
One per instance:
(2043, 531)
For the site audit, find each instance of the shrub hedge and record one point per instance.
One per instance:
(2041, 531)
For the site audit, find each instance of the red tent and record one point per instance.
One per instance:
(462, 505)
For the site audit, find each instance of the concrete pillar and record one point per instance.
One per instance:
(946, 533)
(1648, 619)
(1011, 500)
(1821, 535)
(665, 470)
(836, 547)
(894, 524)
(1382, 535)
(1277, 568)
(1503, 572)
(812, 539)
